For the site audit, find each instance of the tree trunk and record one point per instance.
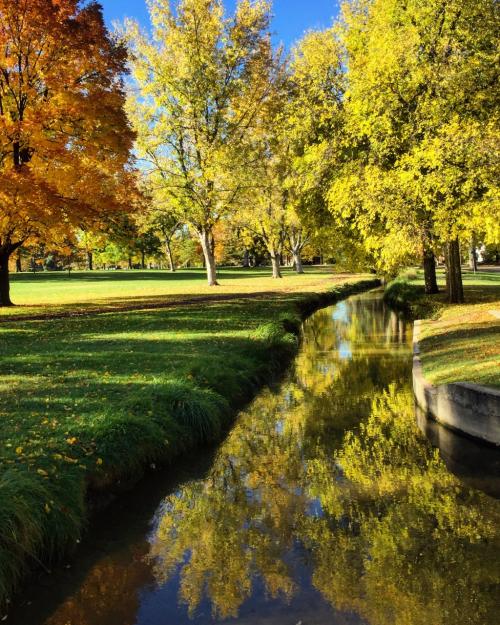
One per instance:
(431, 285)
(143, 260)
(4, 279)
(208, 247)
(130, 263)
(19, 262)
(454, 284)
(297, 261)
(473, 255)
(90, 261)
(170, 257)
(275, 261)
(246, 259)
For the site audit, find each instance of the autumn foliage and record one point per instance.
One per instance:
(64, 135)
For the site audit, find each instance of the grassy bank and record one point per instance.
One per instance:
(459, 343)
(87, 402)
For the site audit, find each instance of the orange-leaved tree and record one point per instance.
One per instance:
(64, 136)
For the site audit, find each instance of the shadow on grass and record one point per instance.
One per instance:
(75, 359)
(121, 304)
(482, 276)
(478, 294)
(116, 298)
(68, 379)
(469, 350)
(195, 275)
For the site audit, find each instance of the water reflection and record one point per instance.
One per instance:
(384, 529)
(325, 505)
(476, 464)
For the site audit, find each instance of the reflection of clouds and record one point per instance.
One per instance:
(341, 313)
(345, 350)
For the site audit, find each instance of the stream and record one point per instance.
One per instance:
(329, 503)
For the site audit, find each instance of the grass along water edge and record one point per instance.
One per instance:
(87, 402)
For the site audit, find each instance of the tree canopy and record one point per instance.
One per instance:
(201, 80)
(64, 134)
(374, 140)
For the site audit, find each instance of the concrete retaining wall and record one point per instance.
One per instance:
(468, 408)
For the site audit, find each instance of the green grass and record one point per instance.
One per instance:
(459, 343)
(56, 292)
(88, 401)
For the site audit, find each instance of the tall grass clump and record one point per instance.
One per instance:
(39, 519)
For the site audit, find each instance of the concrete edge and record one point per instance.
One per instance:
(468, 408)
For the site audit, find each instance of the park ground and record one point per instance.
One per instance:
(91, 400)
(52, 293)
(459, 343)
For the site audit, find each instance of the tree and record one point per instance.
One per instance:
(423, 113)
(269, 209)
(165, 224)
(89, 243)
(201, 80)
(64, 137)
(314, 130)
(266, 212)
(147, 244)
(123, 238)
(297, 239)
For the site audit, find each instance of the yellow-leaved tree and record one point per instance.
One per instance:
(200, 81)
(315, 132)
(422, 111)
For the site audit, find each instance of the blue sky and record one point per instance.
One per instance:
(292, 17)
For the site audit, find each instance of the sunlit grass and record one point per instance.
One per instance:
(463, 344)
(42, 293)
(459, 343)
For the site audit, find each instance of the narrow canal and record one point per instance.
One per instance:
(325, 505)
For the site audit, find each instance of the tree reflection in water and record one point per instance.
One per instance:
(333, 468)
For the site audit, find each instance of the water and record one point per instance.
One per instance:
(326, 505)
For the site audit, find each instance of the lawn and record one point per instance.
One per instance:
(459, 343)
(89, 401)
(56, 292)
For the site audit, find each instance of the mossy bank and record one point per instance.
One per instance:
(87, 403)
